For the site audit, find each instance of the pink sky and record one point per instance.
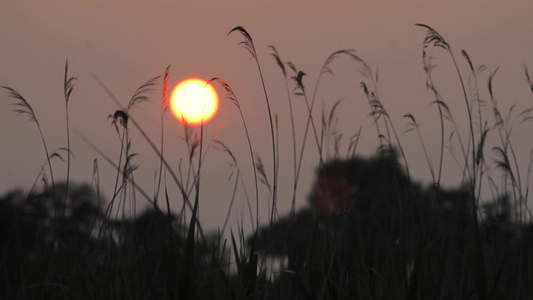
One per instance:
(125, 43)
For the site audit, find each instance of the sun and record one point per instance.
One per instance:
(193, 101)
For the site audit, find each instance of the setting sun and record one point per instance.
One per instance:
(194, 102)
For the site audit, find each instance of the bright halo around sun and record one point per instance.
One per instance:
(193, 101)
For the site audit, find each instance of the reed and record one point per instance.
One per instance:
(369, 232)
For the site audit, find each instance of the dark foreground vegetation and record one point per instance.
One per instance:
(369, 231)
(369, 234)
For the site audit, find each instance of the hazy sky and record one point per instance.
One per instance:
(125, 43)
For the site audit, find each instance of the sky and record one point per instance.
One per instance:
(126, 43)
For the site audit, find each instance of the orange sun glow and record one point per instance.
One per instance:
(193, 101)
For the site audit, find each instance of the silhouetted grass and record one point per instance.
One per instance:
(369, 232)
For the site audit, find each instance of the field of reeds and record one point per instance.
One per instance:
(370, 231)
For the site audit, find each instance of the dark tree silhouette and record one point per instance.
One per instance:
(371, 205)
(50, 246)
(42, 226)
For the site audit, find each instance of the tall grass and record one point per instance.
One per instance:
(248, 44)
(68, 86)
(370, 232)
